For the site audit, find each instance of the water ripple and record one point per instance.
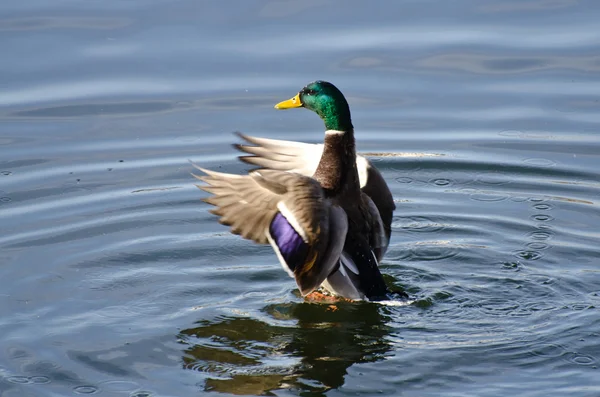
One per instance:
(116, 280)
(86, 389)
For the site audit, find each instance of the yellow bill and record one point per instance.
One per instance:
(294, 102)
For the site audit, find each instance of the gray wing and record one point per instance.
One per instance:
(276, 154)
(286, 210)
(303, 158)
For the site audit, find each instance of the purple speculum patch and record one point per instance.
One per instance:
(292, 247)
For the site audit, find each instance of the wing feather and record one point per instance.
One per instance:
(303, 158)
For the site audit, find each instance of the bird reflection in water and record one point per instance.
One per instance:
(302, 346)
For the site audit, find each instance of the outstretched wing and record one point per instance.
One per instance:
(303, 158)
(286, 210)
(275, 154)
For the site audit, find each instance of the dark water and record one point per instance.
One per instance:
(483, 116)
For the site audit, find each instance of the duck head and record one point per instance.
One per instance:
(326, 100)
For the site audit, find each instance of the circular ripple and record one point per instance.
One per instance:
(487, 197)
(39, 380)
(540, 306)
(581, 306)
(432, 252)
(537, 246)
(5, 199)
(548, 350)
(540, 235)
(122, 386)
(541, 217)
(85, 389)
(141, 393)
(581, 359)
(197, 366)
(528, 255)
(539, 162)
(538, 199)
(542, 207)
(5, 173)
(441, 182)
(404, 179)
(18, 379)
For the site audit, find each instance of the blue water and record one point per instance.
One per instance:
(483, 117)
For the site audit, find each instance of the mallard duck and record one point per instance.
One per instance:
(325, 211)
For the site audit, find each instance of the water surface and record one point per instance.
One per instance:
(483, 117)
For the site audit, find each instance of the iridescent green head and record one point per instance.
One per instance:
(326, 100)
